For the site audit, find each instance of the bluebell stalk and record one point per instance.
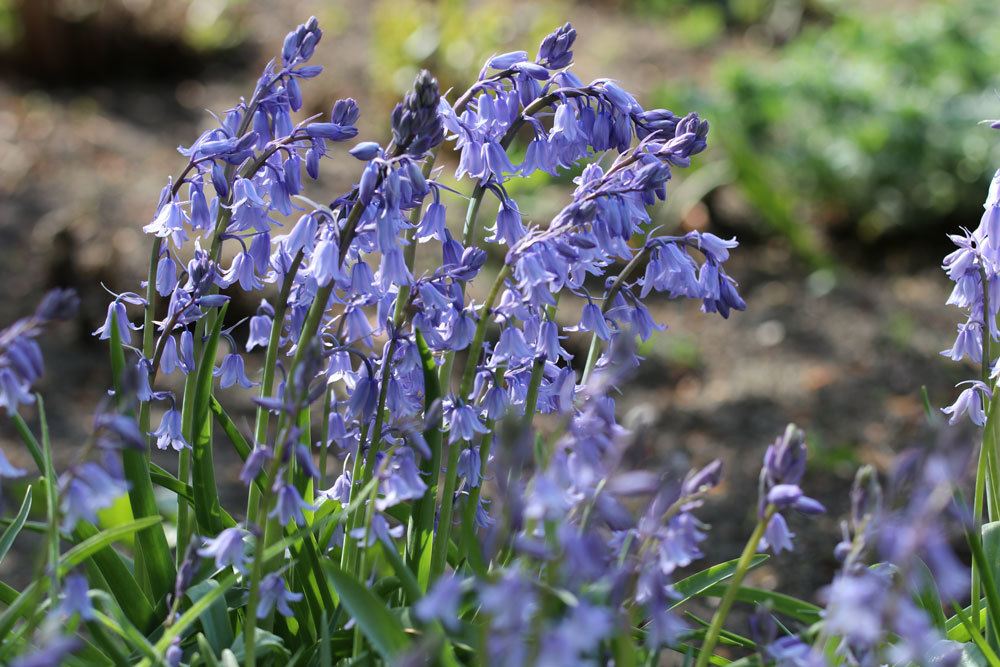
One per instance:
(784, 466)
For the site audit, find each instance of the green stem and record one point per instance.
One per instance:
(263, 418)
(476, 348)
(324, 430)
(51, 513)
(262, 542)
(440, 553)
(985, 468)
(531, 404)
(347, 553)
(742, 567)
(595, 343)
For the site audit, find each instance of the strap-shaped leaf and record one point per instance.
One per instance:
(700, 582)
(105, 538)
(7, 539)
(383, 630)
(153, 560)
(215, 619)
(420, 547)
(800, 610)
(207, 507)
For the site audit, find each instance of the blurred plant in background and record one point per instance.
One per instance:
(859, 126)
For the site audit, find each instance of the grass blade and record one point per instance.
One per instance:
(7, 539)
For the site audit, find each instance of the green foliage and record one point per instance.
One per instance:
(868, 123)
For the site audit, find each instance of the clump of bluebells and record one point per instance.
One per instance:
(433, 477)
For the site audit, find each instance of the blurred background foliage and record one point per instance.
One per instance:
(863, 124)
(834, 121)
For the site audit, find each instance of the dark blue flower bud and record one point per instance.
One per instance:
(556, 49)
(366, 150)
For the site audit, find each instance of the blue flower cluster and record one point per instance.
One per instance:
(974, 267)
(352, 313)
(20, 357)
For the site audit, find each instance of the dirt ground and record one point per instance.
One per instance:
(842, 353)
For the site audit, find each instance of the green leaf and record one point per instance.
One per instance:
(215, 619)
(152, 557)
(265, 643)
(800, 610)
(927, 596)
(378, 625)
(206, 651)
(420, 547)
(956, 631)
(687, 649)
(984, 648)
(207, 507)
(989, 579)
(700, 582)
(99, 541)
(991, 549)
(165, 480)
(7, 539)
(29, 440)
(124, 586)
(232, 432)
(408, 581)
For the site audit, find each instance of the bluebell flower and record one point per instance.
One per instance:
(254, 465)
(241, 271)
(8, 470)
(783, 469)
(509, 229)
(592, 319)
(260, 327)
(86, 489)
(169, 223)
(166, 275)
(777, 536)
(469, 466)
(232, 371)
(201, 218)
(227, 549)
(416, 126)
(790, 496)
(400, 481)
(366, 150)
(117, 316)
(441, 603)
(274, 595)
(117, 431)
(76, 598)
(379, 530)
(185, 358)
(463, 422)
(168, 434)
(970, 401)
(51, 654)
(341, 489)
(289, 505)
